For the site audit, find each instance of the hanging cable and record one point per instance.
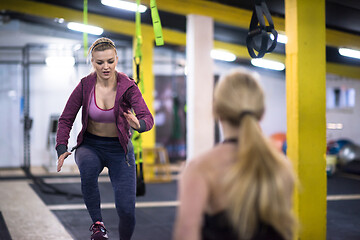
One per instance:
(48, 188)
(136, 136)
(85, 21)
(159, 40)
(259, 29)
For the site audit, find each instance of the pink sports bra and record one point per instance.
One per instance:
(100, 115)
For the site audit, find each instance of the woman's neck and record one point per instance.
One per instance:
(106, 83)
(228, 130)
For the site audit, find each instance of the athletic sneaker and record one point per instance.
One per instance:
(99, 231)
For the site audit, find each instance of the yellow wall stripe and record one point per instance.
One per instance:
(175, 37)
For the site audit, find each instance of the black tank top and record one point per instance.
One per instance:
(218, 227)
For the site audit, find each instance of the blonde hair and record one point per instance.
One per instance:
(101, 44)
(260, 181)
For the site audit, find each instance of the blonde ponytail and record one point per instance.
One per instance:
(256, 186)
(260, 182)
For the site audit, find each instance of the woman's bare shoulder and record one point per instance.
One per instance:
(212, 158)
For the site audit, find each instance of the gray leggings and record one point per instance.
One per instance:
(92, 156)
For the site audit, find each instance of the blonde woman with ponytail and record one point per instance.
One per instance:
(242, 188)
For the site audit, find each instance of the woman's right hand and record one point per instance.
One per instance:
(61, 160)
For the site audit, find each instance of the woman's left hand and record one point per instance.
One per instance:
(132, 120)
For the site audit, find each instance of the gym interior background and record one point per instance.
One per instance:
(33, 32)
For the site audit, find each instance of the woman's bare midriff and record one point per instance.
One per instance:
(102, 129)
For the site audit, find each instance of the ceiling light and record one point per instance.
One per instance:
(280, 38)
(60, 61)
(85, 28)
(59, 20)
(124, 5)
(273, 65)
(77, 47)
(222, 55)
(334, 126)
(347, 52)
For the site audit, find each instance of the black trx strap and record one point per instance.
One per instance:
(137, 65)
(259, 28)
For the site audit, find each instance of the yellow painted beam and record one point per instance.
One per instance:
(115, 25)
(170, 36)
(219, 12)
(112, 24)
(146, 68)
(149, 86)
(51, 11)
(306, 111)
(334, 68)
(241, 18)
(343, 70)
(336, 38)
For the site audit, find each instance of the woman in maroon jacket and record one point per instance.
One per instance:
(106, 97)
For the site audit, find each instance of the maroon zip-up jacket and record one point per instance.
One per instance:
(128, 96)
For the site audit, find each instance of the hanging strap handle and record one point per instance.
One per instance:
(258, 28)
(159, 40)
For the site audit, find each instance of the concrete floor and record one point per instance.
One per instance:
(28, 213)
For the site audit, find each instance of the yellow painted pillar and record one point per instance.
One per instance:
(306, 106)
(148, 138)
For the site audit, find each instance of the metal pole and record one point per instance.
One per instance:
(26, 103)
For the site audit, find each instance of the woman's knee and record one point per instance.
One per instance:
(87, 160)
(126, 213)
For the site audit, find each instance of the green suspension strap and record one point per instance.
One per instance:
(138, 52)
(136, 136)
(85, 20)
(159, 40)
(140, 183)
